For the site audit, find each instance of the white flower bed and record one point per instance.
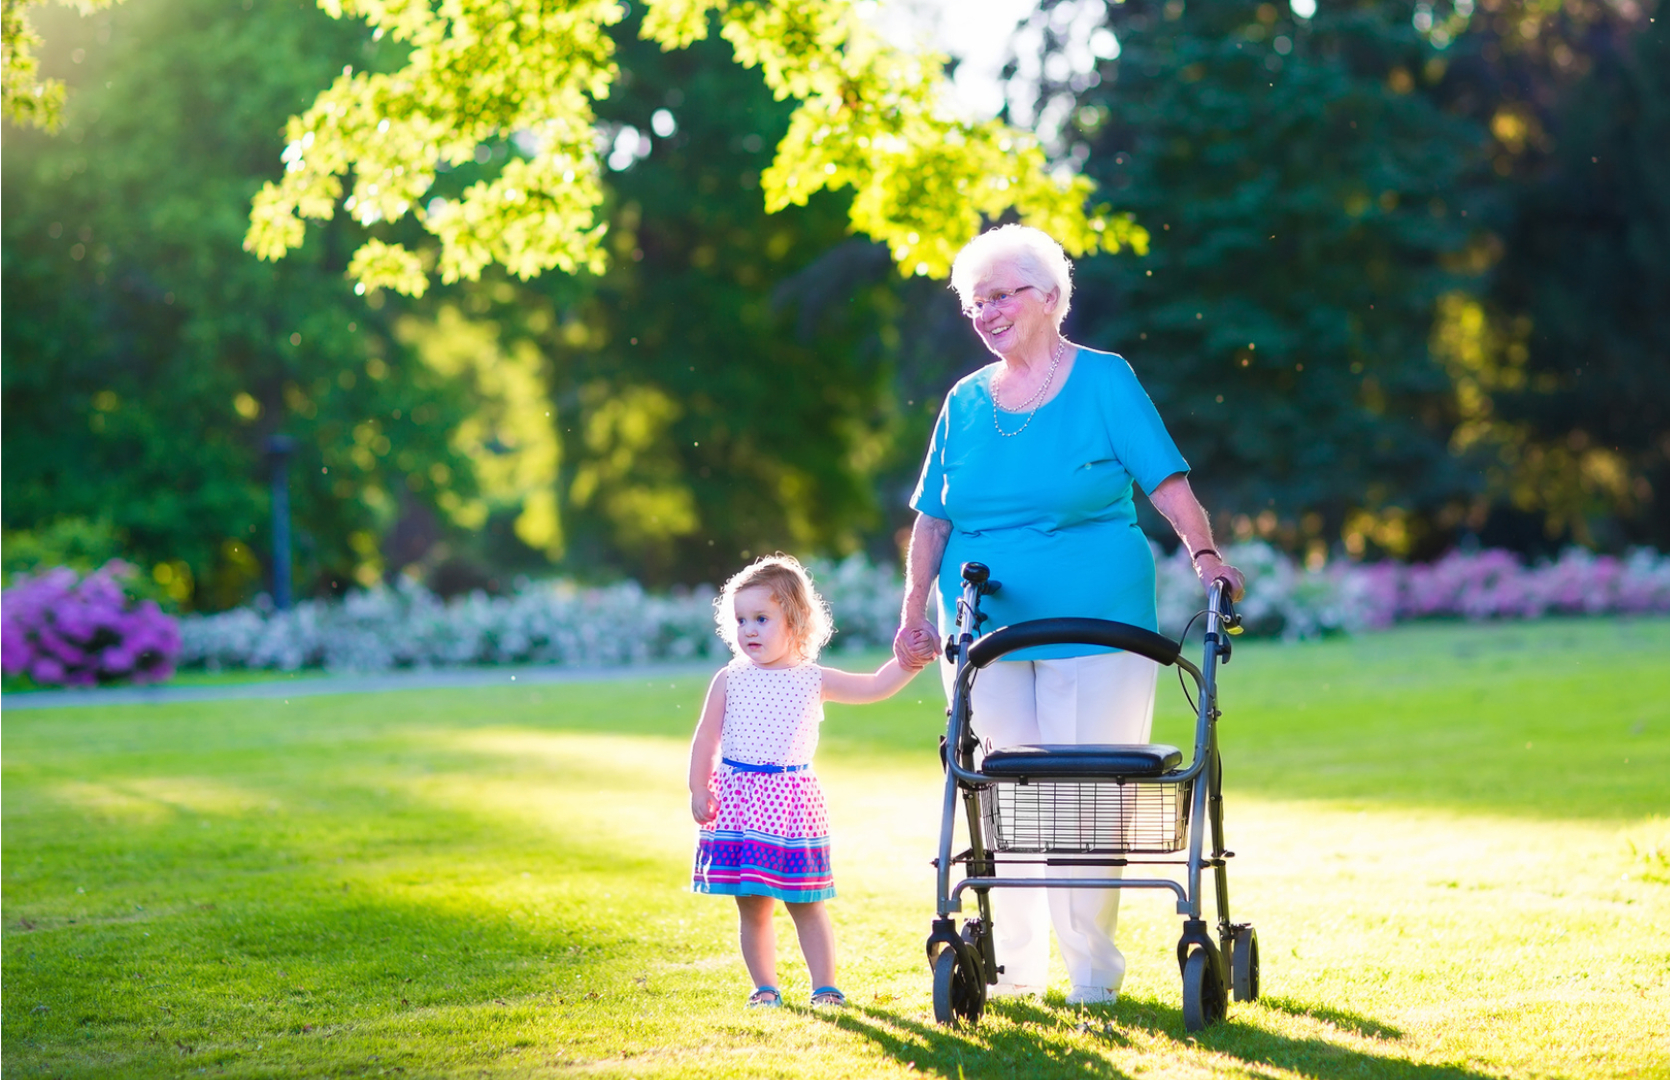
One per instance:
(554, 622)
(561, 623)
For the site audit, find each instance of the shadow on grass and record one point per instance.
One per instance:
(1347, 1021)
(1019, 1049)
(1037, 1039)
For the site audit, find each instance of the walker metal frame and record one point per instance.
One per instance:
(1078, 806)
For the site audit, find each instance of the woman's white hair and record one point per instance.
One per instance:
(1032, 253)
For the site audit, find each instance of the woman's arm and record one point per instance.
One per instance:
(1176, 500)
(704, 752)
(917, 642)
(851, 688)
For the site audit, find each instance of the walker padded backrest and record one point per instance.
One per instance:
(1117, 635)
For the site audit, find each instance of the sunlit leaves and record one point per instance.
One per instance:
(874, 119)
(378, 263)
(479, 70)
(26, 99)
(677, 24)
(871, 118)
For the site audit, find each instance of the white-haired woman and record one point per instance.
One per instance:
(1030, 471)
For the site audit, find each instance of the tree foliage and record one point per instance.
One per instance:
(1570, 343)
(26, 99)
(147, 359)
(868, 117)
(1301, 182)
(721, 387)
(1427, 283)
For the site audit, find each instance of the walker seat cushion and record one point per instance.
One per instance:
(1081, 761)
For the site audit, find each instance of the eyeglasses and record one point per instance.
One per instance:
(1003, 301)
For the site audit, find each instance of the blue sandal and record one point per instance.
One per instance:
(767, 997)
(828, 997)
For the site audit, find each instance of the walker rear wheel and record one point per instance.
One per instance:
(1243, 967)
(958, 990)
(1203, 993)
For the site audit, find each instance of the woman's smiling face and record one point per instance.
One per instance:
(762, 632)
(1012, 312)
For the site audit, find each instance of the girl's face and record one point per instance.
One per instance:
(762, 631)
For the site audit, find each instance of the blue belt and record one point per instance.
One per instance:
(749, 766)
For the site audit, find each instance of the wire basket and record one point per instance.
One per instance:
(1087, 818)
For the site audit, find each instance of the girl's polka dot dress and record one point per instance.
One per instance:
(771, 837)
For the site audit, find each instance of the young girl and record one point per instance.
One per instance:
(763, 832)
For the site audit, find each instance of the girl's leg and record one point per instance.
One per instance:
(817, 940)
(759, 938)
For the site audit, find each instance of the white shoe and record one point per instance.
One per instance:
(1091, 995)
(1009, 989)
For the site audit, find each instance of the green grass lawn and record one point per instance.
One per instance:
(1453, 841)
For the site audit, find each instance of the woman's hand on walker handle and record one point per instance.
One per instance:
(1211, 568)
(704, 806)
(916, 646)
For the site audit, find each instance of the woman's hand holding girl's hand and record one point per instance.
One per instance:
(915, 647)
(1209, 567)
(704, 806)
(923, 647)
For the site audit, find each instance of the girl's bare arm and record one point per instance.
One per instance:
(704, 752)
(852, 688)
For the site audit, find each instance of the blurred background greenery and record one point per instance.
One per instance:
(1409, 287)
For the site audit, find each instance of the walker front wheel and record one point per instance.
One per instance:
(957, 989)
(1203, 993)
(1243, 965)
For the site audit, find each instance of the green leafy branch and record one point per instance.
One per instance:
(26, 99)
(872, 118)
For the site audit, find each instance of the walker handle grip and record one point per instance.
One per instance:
(1117, 635)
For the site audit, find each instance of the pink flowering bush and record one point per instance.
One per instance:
(1495, 585)
(1295, 601)
(61, 629)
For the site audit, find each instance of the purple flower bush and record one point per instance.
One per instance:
(1295, 602)
(1495, 585)
(61, 629)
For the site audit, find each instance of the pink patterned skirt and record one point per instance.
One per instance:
(771, 838)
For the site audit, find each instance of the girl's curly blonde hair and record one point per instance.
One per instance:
(807, 614)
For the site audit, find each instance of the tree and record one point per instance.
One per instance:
(1568, 348)
(1300, 182)
(869, 118)
(711, 402)
(147, 358)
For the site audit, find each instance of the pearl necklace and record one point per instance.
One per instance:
(1032, 402)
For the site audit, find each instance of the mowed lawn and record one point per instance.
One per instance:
(1452, 839)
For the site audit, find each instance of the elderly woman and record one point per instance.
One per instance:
(1030, 471)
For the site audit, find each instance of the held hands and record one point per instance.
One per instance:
(1209, 568)
(704, 806)
(916, 646)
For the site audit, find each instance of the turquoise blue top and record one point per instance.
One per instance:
(1050, 509)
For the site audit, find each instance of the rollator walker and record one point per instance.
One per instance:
(1085, 805)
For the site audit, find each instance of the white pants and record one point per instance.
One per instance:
(1108, 698)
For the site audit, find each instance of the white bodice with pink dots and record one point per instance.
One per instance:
(771, 715)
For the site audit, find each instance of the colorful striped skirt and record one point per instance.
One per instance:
(771, 838)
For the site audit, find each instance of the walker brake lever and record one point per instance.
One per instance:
(1227, 615)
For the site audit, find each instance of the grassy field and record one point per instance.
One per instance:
(1454, 842)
